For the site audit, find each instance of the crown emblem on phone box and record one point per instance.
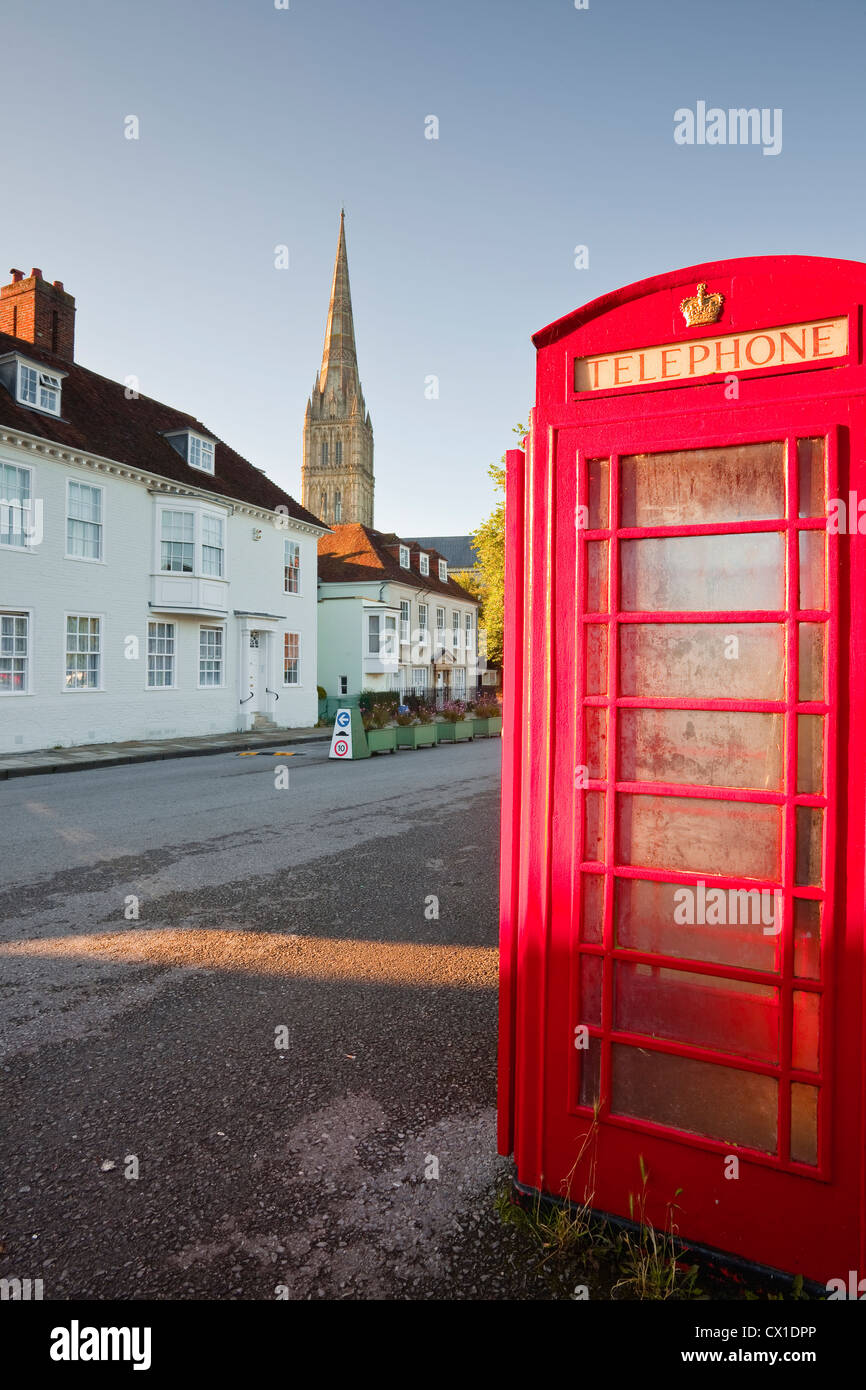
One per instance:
(702, 307)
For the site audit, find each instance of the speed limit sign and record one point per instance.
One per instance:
(341, 739)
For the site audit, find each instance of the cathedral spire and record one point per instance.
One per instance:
(337, 481)
(339, 358)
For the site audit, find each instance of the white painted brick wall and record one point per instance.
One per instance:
(49, 585)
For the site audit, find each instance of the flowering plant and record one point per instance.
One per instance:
(454, 711)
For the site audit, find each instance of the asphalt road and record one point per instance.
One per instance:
(247, 1090)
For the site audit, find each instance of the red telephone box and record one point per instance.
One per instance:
(684, 763)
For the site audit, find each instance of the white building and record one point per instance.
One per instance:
(153, 583)
(390, 618)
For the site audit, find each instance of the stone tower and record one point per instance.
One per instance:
(337, 471)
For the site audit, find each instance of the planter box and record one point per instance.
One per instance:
(416, 736)
(488, 728)
(455, 733)
(382, 740)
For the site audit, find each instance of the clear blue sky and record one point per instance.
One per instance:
(556, 129)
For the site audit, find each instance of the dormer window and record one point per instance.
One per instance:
(404, 557)
(41, 389)
(199, 452)
(424, 563)
(443, 571)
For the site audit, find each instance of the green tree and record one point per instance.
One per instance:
(487, 581)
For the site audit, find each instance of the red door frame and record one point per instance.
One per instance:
(776, 1214)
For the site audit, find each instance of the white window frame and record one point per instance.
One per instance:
(344, 684)
(208, 545)
(27, 614)
(197, 512)
(100, 684)
(423, 621)
(405, 620)
(212, 685)
(441, 630)
(420, 678)
(94, 487)
(295, 684)
(386, 636)
(25, 509)
(288, 567)
(443, 571)
(171, 540)
(455, 629)
(424, 563)
(206, 451)
(171, 655)
(48, 387)
(405, 562)
(469, 627)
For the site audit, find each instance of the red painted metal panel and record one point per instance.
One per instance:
(699, 1049)
(511, 758)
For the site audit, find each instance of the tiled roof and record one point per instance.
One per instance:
(97, 418)
(457, 550)
(352, 553)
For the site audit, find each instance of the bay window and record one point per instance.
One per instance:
(177, 547)
(381, 634)
(212, 528)
(192, 542)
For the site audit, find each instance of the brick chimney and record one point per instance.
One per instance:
(39, 313)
